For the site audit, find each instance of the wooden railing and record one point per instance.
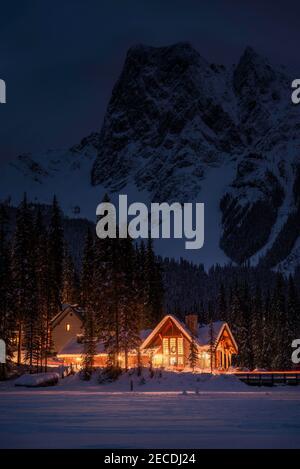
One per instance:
(269, 378)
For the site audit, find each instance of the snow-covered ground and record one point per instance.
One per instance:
(172, 411)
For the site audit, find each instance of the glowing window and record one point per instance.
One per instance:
(180, 360)
(165, 346)
(180, 345)
(173, 346)
(68, 327)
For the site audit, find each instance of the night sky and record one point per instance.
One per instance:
(60, 59)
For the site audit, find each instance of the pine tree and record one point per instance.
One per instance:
(211, 345)
(267, 330)
(41, 257)
(131, 310)
(240, 320)
(142, 287)
(90, 341)
(24, 279)
(293, 310)
(193, 355)
(222, 304)
(56, 255)
(87, 273)
(117, 300)
(154, 286)
(88, 303)
(6, 311)
(70, 283)
(31, 330)
(257, 324)
(281, 336)
(55, 260)
(204, 319)
(107, 275)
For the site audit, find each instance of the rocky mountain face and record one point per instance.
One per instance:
(173, 115)
(179, 128)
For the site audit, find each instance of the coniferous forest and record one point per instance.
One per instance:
(123, 287)
(118, 284)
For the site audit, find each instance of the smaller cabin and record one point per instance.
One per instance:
(67, 325)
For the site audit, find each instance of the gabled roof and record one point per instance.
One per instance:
(204, 332)
(66, 309)
(180, 326)
(73, 347)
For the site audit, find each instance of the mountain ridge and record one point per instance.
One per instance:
(178, 128)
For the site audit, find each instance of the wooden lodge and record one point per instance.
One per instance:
(168, 345)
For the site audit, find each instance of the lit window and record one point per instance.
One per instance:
(180, 345)
(173, 346)
(166, 346)
(180, 360)
(68, 327)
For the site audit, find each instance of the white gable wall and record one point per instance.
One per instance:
(60, 333)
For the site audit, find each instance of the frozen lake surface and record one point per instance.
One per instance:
(80, 415)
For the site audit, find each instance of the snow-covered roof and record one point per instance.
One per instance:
(73, 347)
(180, 326)
(64, 311)
(203, 338)
(204, 332)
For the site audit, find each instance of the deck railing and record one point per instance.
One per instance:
(269, 378)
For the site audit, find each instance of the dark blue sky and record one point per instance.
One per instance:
(60, 59)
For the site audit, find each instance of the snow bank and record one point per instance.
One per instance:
(39, 379)
(221, 383)
(160, 381)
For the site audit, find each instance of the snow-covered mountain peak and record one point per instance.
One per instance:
(178, 128)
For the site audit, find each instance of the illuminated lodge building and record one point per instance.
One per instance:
(168, 345)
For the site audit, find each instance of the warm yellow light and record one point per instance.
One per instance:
(68, 327)
(157, 359)
(78, 359)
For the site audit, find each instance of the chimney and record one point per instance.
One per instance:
(191, 321)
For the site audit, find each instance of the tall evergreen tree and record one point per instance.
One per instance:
(245, 327)
(222, 304)
(56, 255)
(55, 260)
(6, 311)
(24, 277)
(90, 343)
(106, 287)
(131, 308)
(88, 302)
(70, 283)
(154, 286)
(239, 323)
(257, 327)
(87, 272)
(293, 309)
(281, 336)
(193, 354)
(41, 241)
(142, 287)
